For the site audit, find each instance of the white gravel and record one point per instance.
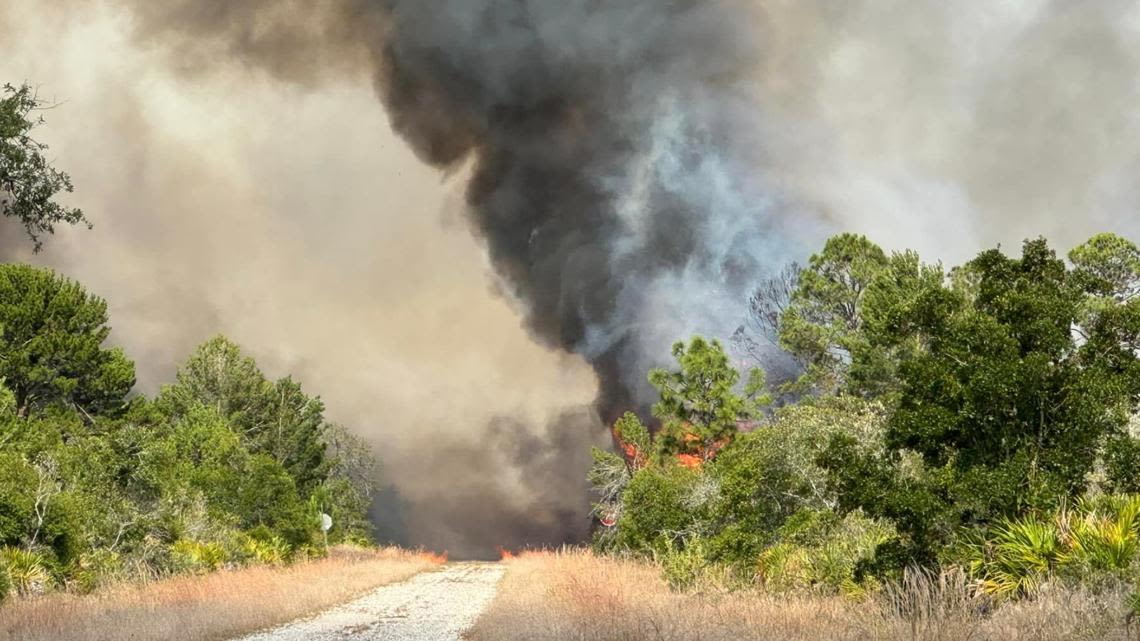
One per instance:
(432, 606)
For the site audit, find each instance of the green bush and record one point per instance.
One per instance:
(1096, 540)
(195, 557)
(5, 582)
(655, 516)
(820, 550)
(685, 565)
(17, 497)
(95, 569)
(29, 573)
(266, 550)
(770, 475)
(1122, 464)
(100, 488)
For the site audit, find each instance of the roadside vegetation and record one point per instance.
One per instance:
(218, 605)
(588, 597)
(977, 423)
(223, 468)
(197, 514)
(945, 453)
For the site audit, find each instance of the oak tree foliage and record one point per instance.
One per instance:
(29, 183)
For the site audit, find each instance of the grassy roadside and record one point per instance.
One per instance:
(209, 607)
(575, 595)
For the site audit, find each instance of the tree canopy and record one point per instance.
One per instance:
(934, 407)
(29, 184)
(52, 353)
(224, 467)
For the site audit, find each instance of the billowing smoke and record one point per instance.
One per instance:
(628, 168)
(608, 151)
(611, 147)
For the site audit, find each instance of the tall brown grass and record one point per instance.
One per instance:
(215, 606)
(575, 596)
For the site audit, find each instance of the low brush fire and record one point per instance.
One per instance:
(439, 558)
(505, 554)
(696, 452)
(678, 444)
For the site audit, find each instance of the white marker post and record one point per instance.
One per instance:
(326, 525)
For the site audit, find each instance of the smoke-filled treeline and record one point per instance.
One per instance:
(608, 147)
(631, 169)
(979, 421)
(222, 468)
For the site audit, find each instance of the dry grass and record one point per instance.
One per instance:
(574, 596)
(220, 605)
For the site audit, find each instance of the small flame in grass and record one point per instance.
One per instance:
(691, 461)
(433, 557)
(505, 554)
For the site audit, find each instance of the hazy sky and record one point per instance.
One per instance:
(294, 222)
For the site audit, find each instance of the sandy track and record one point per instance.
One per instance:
(432, 606)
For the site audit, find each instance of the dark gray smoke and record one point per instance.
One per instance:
(609, 145)
(609, 149)
(609, 157)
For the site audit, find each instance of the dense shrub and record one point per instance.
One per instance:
(1097, 540)
(5, 581)
(225, 467)
(753, 508)
(656, 516)
(938, 418)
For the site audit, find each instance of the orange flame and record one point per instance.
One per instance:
(505, 554)
(433, 557)
(690, 461)
(699, 453)
(634, 457)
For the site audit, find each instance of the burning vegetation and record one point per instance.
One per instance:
(977, 423)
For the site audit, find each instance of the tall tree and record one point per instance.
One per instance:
(29, 183)
(274, 418)
(1004, 406)
(51, 345)
(700, 408)
(218, 375)
(824, 317)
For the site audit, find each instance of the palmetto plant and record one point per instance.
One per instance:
(27, 572)
(1018, 557)
(270, 552)
(1099, 536)
(1101, 544)
(197, 557)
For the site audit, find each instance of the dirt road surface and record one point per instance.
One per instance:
(432, 606)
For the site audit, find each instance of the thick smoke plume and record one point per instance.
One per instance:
(629, 169)
(608, 151)
(611, 147)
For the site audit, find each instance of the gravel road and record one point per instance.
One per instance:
(432, 606)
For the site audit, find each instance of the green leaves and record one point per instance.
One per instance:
(821, 324)
(96, 485)
(1096, 538)
(700, 409)
(51, 345)
(272, 417)
(1108, 266)
(28, 182)
(1000, 379)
